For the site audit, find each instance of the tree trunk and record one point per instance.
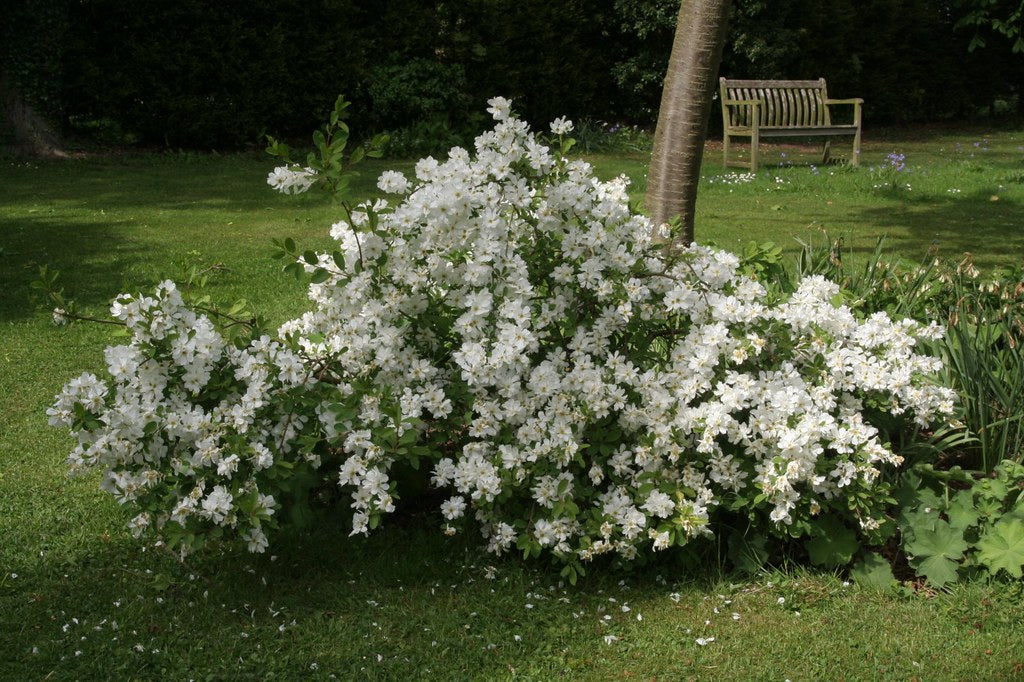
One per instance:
(32, 135)
(683, 116)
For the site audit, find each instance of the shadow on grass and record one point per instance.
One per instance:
(97, 220)
(90, 256)
(992, 230)
(397, 603)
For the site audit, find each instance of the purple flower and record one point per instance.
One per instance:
(896, 161)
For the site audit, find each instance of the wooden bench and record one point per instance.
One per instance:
(775, 109)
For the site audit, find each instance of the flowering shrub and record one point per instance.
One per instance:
(508, 322)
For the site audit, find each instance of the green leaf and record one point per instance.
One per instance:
(935, 553)
(569, 573)
(992, 489)
(911, 522)
(962, 512)
(301, 515)
(748, 552)
(1010, 471)
(873, 571)
(319, 141)
(248, 503)
(833, 544)
(1002, 548)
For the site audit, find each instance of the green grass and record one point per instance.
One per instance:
(407, 600)
(788, 201)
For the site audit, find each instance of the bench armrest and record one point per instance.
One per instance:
(855, 101)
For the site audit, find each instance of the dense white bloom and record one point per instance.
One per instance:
(511, 321)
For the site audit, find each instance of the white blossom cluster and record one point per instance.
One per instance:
(291, 179)
(514, 327)
(187, 426)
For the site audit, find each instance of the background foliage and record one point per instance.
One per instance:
(218, 75)
(31, 47)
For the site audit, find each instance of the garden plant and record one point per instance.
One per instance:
(498, 343)
(579, 385)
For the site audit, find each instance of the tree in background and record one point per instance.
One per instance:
(31, 84)
(996, 21)
(1003, 17)
(683, 116)
(202, 75)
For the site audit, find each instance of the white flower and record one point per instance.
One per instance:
(255, 540)
(291, 179)
(561, 126)
(217, 504)
(500, 108)
(393, 182)
(453, 507)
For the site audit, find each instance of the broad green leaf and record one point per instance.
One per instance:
(874, 571)
(357, 155)
(1003, 547)
(962, 512)
(917, 520)
(319, 141)
(992, 489)
(937, 569)
(833, 544)
(1010, 471)
(935, 553)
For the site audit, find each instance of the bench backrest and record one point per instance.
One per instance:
(784, 103)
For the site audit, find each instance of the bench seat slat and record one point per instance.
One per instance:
(796, 131)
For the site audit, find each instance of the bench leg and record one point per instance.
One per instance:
(725, 150)
(754, 140)
(826, 152)
(855, 156)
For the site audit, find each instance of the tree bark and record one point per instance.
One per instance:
(32, 134)
(685, 106)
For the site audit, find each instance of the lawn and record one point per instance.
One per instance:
(80, 599)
